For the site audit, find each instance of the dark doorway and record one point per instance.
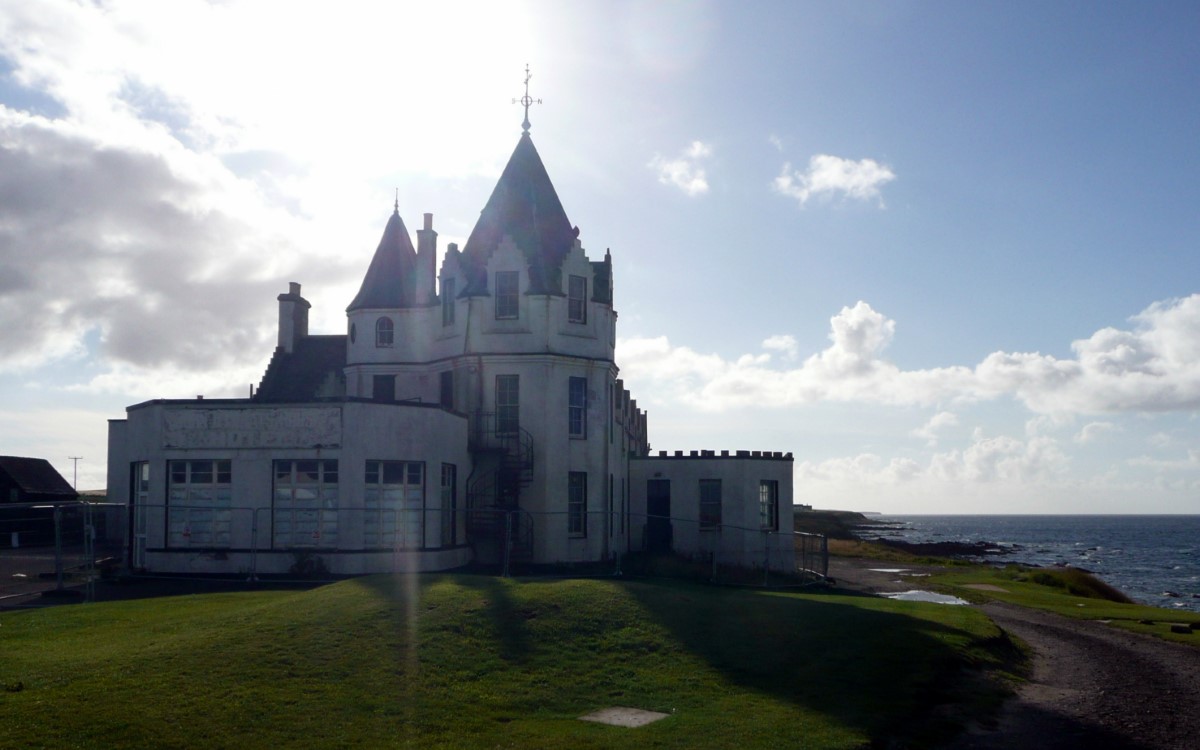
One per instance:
(658, 510)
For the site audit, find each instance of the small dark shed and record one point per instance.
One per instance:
(32, 480)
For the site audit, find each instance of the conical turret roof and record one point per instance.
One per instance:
(391, 278)
(524, 206)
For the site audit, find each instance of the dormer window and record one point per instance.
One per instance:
(384, 332)
(577, 299)
(507, 289)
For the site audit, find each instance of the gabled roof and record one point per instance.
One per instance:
(300, 375)
(391, 279)
(524, 206)
(35, 476)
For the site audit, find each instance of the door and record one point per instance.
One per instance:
(658, 511)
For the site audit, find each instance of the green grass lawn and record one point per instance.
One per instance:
(473, 661)
(1066, 591)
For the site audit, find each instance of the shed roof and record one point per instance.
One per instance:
(35, 476)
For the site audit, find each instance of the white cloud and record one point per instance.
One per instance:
(834, 176)
(940, 421)
(685, 171)
(1093, 431)
(775, 141)
(784, 344)
(1153, 367)
(984, 460)
(1191, 462)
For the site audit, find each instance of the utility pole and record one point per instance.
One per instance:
(75, 478)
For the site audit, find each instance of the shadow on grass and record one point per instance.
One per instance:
(879, 672)
(504, 617)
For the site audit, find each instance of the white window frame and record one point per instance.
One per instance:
(200, 503)
(710, 504)
(508, 404)
(577, 299)
(394, 505)
(508, 292)
(768, 504)
(577, 407)
(577, 504)
(304, 507)
(385, 332)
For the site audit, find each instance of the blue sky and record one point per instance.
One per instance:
(944, 253)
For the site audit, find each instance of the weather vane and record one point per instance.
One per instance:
(527, 100)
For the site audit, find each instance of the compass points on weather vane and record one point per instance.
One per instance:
(526, 100)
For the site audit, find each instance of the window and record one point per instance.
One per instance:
(448, 301)
(577, 299)
(446, 389)
(384, 388)
(305, 511)
(577, 503)
(768, 504)
(200, 497)
(393, 502)
(577, 407)
(612, 509)
(384, 332)
(449, 505)
(507, 287)
(508, 403)
(140, 496)
(710, 503)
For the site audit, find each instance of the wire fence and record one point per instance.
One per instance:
(57, 549)
(49, 550)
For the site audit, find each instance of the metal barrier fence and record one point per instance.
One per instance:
(46, 549)
(57, 548)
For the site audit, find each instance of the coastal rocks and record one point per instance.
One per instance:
(947, 549)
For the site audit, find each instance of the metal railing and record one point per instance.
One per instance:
(64, 548)
(57, 549)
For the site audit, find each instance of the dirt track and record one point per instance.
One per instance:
(1093, 686)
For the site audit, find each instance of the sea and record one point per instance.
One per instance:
(1154, 560)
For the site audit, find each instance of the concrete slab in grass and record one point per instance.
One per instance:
(622, 716)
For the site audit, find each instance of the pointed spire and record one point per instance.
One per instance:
(525, 207)
(391, 278)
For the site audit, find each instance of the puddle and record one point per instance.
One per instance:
(925, 596)
(899, 572)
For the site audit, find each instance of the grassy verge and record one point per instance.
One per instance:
(467, 661)
(1067, 591)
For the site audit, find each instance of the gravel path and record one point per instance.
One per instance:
(1093, 686)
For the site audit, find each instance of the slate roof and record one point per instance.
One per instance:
(391, 279)
(299, 376)
(35, 476)
(524, 206)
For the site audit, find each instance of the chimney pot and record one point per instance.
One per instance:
(294, 288)
(428, 221)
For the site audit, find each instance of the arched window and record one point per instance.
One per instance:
(383, 332)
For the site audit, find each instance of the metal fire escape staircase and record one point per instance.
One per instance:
(497, 528)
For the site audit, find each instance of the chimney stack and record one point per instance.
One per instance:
(293, 318)
(426, 263)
